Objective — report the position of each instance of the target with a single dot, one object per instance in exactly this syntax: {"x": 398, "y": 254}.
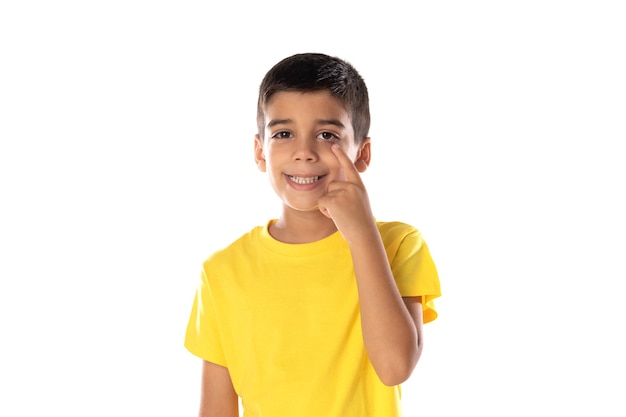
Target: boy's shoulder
{"x": 397, "y": 234}
{"x": 396, "y": 228}
{"x": 239, "y": 243}
{"x": 393, "y": 233}
{"x": 390, "y": 229}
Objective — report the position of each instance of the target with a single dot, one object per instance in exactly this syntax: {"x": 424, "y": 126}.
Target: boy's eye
{"x": 328, "y": 136}
{"x": 281, "y": 135}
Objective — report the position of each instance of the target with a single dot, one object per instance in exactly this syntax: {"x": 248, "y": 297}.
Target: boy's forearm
{"x": 389, "y": 333}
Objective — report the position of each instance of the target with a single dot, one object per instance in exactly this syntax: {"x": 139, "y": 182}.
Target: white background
{"x": 126, "y": 134}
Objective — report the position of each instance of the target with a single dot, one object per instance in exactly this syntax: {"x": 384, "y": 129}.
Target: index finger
{"x": 352, "y": 174}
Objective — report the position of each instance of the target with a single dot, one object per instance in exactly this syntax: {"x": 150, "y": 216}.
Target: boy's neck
{"x": 302, "y": 227}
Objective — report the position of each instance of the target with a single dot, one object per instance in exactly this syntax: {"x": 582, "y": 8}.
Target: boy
{"x": 319, "y": 312}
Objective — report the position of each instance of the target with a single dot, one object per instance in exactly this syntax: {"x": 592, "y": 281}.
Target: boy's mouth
{"x": 304, "y": 180}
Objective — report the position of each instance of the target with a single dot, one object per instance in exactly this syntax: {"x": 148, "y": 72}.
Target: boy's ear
{"x": 259, "y": 156}
{"x": 364, "y": 156}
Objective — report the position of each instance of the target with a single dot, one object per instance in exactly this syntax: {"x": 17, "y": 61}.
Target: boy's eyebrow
{"x": 333, "y": 122}
{"x": 275, "y": 122}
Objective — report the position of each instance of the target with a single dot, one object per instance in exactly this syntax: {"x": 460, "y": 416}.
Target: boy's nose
{"x": 305, "y": 151}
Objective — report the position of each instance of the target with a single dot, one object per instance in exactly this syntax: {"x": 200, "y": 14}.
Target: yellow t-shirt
{"x": 284, "y": 319}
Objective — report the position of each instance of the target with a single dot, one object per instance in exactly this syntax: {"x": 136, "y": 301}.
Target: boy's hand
{"x": 346, "y": 202}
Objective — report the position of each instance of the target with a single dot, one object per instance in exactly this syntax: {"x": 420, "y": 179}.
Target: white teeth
{"x": 304, "y": 180}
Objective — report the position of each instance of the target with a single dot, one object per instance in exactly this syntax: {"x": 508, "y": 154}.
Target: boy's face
{"x": 300, "y": 129}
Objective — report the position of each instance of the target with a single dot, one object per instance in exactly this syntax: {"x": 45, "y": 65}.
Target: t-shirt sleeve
{"x": 414, "y": 270}
{"x": 203, "y": 337}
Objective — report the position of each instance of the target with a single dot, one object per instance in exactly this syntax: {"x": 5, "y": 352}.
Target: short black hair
{"x": 309, "y": 72}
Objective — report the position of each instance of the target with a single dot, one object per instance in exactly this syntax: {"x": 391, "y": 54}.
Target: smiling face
{"x": 299, "y": 130}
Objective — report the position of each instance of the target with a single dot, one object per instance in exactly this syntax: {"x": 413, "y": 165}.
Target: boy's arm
{"x": 392, "y": 326}
{"x": 218, "y": 397}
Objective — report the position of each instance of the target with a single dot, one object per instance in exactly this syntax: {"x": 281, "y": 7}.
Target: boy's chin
{"x": 305, "y": 209}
